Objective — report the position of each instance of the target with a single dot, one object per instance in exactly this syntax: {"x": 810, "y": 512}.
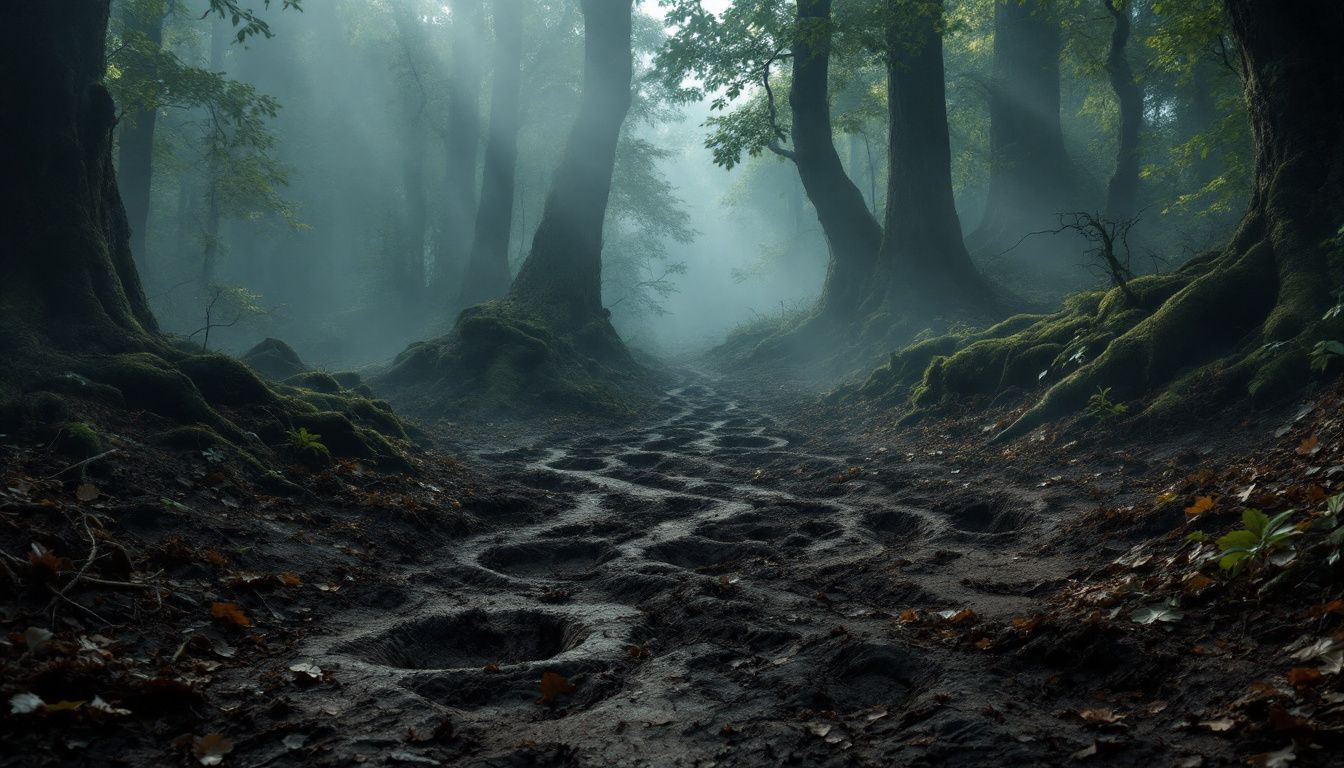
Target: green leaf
{"x": 1255, "y": 521}
{"x": 1241, "y": 539}
{"x": 1232, "y": 559}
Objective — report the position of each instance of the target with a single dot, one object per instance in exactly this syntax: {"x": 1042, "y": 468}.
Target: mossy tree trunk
{"x": 851, "y": 230}
{"x": 561, "y": 279}
{"x": 1259, "y": 305}
{"x": 1123, "y": 190}
{"x": 462, "y": 139}
{"x": 67, "y": 277}
{"x": 923, "y": 258}
{"x": 488, "y": 266}
{"x": 1031, "y": 176}
{"x": 135, "y": 160}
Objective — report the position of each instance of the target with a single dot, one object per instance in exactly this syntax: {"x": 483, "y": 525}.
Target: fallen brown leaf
{"x": 553, "y": 685}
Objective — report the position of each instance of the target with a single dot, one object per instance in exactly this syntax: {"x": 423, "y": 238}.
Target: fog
{"x": 325, "y": 190}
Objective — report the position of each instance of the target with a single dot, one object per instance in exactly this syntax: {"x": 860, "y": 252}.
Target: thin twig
{"x": 84, "y": 463}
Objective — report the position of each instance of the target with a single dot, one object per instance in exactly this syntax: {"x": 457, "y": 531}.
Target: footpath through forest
{"x": 731, "y": 582}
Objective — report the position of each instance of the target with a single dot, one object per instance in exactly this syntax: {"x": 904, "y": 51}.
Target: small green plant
{"x": 1102, "y": 408}
{"x": 1261, "y": 537}
{"x": 304, "y": 440}
{"x": 1324, "y": 352}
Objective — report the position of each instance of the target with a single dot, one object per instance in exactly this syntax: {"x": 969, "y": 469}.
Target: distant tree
{"x": 561, "y": 280}
{"x": 1123, "y": 190}
{"x": 461, "y": 139}
{"x": 487, "y": 274}
{"x": 1031, "y": 175}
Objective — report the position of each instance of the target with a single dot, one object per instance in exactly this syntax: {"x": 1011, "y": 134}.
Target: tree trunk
{"x": 1031, "y": 177}
{"x": 1123, "y": 190}
{"x": 561, "y": 280}
{"x": 220, "y": 37}
{"x": 851, "y": 229}
{"x": 462, "y": 141}
{"x": 488, "y": 268}
{"x": 67, "y": 277}
{"x": 135, "y": 161}
{"x": 923, "y": 253}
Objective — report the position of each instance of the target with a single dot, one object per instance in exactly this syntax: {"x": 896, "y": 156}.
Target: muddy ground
{"x": 737, "y": 579}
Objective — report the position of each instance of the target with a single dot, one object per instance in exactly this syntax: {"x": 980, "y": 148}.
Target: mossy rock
{"x": 274, "y": 359}
{"x": 78, "y": 441}
{"x": 316, "y": 381}
{"x": 223, "y": 380}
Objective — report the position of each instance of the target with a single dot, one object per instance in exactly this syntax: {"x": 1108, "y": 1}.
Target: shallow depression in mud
{"x": 471, "y": 640}
{"x": 556, "y": 557}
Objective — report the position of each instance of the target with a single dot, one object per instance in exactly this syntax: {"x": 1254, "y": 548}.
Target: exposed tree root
{"x": 1241, "y": 320}
{"x": 218, "y": 402}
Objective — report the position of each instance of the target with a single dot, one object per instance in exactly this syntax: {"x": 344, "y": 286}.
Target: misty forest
{"x": 672, "y": 383}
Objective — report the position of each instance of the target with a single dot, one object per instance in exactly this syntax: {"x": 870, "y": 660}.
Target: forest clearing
{"x": 676, "y": 383}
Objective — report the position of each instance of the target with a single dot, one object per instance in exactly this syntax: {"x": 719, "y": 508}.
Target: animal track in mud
{"x": 557, "y": 558}
{"x": 700, "y": 553}
{"x": 579, "y": 463}
{"x": 751, "y": 526}
{"x": 984, "y": 515}
{"x": 746, "y": 441}
{"x": 471, "y": 640}
{"x": 643, "y": 459}
{"x": 895, "y": 524}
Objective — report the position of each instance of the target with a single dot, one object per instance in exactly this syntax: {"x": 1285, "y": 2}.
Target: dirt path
{"x": 718, "y": 590}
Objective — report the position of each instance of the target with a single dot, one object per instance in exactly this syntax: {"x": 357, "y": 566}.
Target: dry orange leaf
{"x": 216, "y": 558}
{"x": 1309, "y": 446}
{"x": 1197, "y": 582}
{"x": 909, "y": 616}
{"x": 1300, "y": 677}
{"x": 552, "y": 685}
{"x": 1202, "y": 504}
{"x": 230, "y": 613}
{"x": 965, "y": 614}
{"x": 290, "y": 579}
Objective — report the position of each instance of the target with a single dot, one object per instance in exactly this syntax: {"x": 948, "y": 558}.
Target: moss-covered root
{"x": 502, "y": 359}
{"x": 1240, "y": 321}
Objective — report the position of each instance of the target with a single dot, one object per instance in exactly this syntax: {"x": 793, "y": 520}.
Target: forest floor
{"x": 741, "y": 578}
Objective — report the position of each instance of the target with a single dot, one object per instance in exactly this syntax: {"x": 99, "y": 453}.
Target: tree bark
{"x": 851, "y": 230}
{"x": 220, "y": 38}
{"x": 135, "y": 161}
{"x": 1031, "y": 177}
{"x": 561, "y": 279}
{"x": 488, "y": 267}
{"x": 67, "y": 277}
{"x": 462, "y": 140}
{"x": 922, "y": 252}
{"x": 1123, "y": 190}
